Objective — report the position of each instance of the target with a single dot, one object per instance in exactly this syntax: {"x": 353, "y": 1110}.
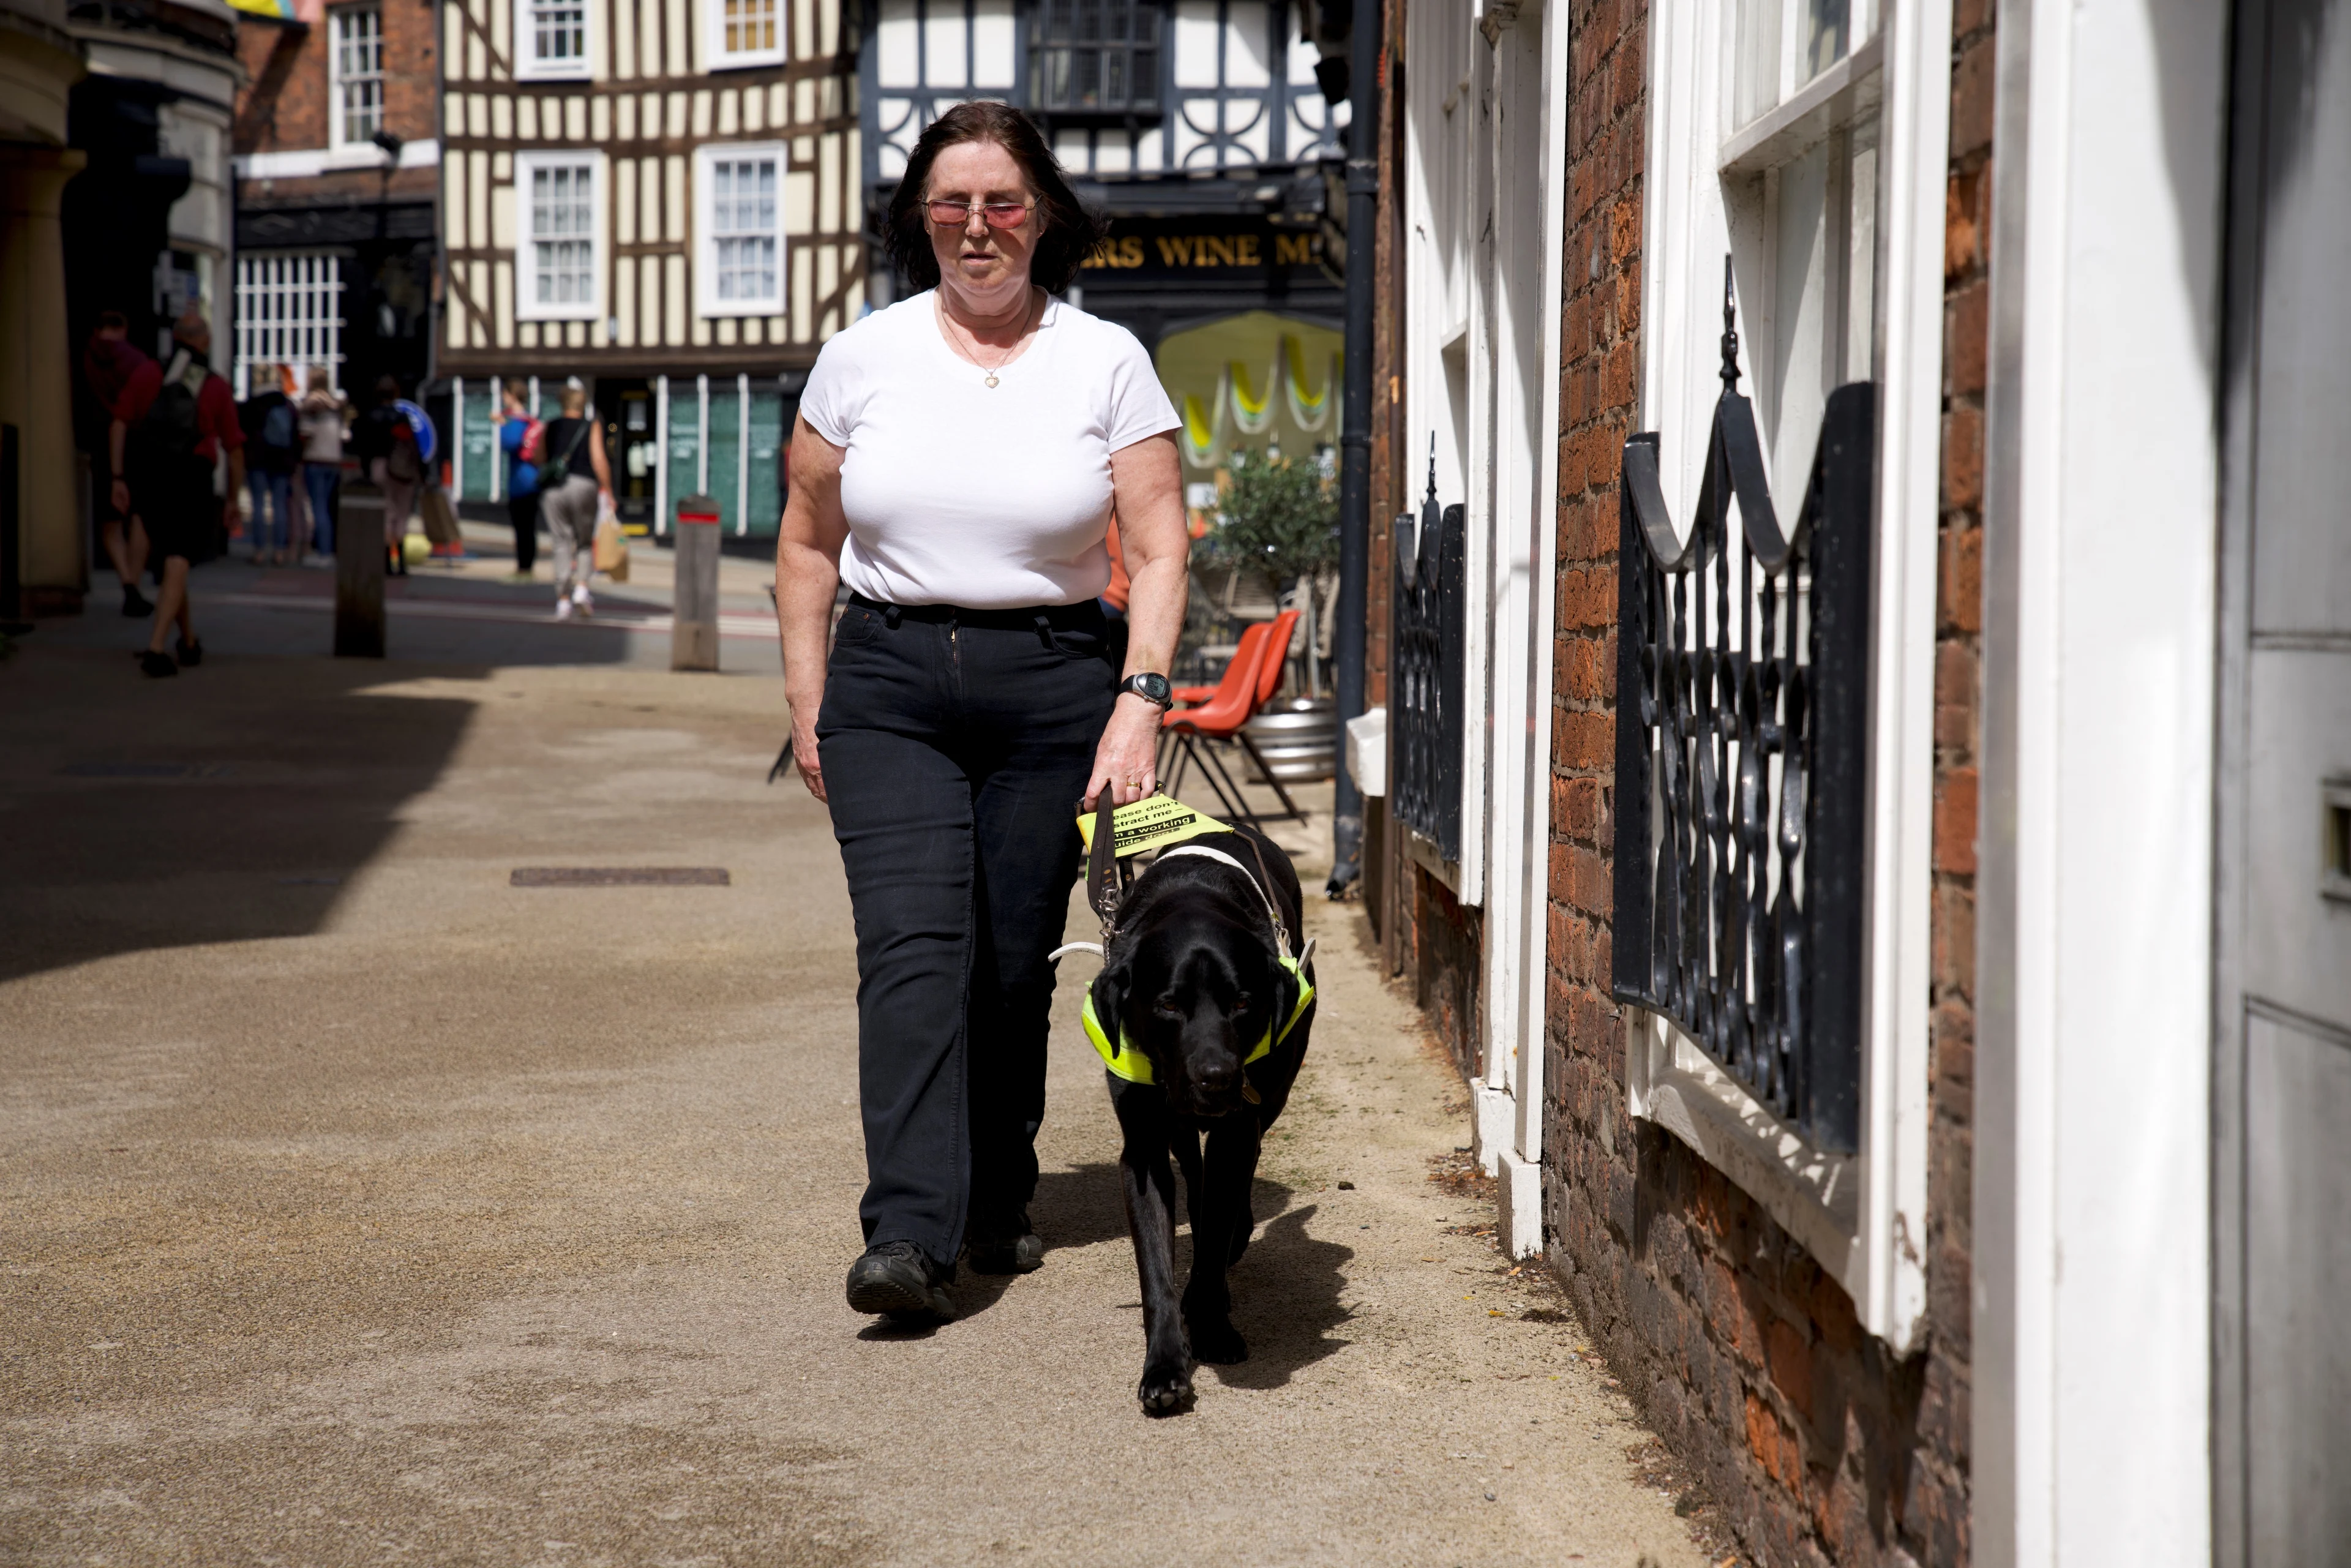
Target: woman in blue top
{"x": 522, "y": 479}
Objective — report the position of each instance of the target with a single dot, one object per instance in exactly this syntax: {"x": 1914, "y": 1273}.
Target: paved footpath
{"x": 357, "y": 1207}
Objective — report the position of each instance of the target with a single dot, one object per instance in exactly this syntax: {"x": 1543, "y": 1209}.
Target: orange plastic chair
{"x": 1234, "y": 668}
{"x": 1250, "y": 682}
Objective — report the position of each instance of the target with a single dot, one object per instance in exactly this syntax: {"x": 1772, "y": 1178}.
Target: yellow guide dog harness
{"x": 1126, "y": 1060}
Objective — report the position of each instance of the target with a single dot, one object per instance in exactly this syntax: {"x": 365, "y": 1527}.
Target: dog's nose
{"x": 1220, "y": 1079}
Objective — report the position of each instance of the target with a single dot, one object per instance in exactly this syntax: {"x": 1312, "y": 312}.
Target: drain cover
{"x": 143, "y": 770}
{"x": 619, "y": 876}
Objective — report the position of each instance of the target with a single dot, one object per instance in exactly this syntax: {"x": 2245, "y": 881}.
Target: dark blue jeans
{"x": 955, "y": 745}
{"x": 318, "y": 481}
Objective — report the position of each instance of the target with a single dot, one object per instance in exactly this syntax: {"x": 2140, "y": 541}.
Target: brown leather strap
{"x": 1103, "y": 890}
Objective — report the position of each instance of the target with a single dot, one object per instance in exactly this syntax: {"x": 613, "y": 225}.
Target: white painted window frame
{"x": 266, "y": 333}
{"x": 528, "y": 66}
{"x": 1439, "y": 303}
{"x": 1862, "y": 1215}
{"x": 1473, "y": 302}
{"x": 336, "y": 140}
{"x": 528, "y": 308}
{"x": 713, "y": 38}
{"x": 707, "y": 304}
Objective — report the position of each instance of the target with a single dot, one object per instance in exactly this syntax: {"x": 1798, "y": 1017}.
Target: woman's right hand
{"x": 804, "y": 753}
{"x": 808, "y": 574}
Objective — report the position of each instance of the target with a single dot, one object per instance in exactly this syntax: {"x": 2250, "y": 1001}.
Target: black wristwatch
{"x": 1150, "y": 688}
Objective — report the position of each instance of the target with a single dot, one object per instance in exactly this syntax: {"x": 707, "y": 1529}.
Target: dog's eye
{"x": 1241, "y": 1003}
{"x": 1165, "y": 1007}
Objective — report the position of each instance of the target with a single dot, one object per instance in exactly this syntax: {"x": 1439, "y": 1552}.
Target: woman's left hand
{"x": 1127, "y": 760}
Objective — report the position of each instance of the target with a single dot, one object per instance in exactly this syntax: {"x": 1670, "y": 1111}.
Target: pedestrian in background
{"x": 272, "y": 451}
{"x": 322, "y": 455}
{"x": 573, "y": 483}
{"x": 107, "y": 367}
{"x": 523, "y": 439}
{"x": 170, "y": 428}
{"x": 386, "y": 448}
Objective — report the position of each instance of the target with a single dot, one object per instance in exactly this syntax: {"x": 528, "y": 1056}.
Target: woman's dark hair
{"x": 1067, "y": 234}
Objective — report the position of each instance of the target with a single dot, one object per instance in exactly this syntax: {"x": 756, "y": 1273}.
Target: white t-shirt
{"x": 960, "y": 493}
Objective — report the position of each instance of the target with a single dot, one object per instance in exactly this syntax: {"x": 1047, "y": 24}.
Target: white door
{"x": 2283, "y": 1079}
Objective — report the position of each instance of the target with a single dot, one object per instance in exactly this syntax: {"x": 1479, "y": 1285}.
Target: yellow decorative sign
{"x": 1151, "y": 823}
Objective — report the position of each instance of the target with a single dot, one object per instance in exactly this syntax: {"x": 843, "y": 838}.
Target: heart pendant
{"x": 991, "y": 377}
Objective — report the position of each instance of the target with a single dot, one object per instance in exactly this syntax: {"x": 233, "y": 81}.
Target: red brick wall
{"x": 1818, "y": 1443}
{"x": 283, "y": 105}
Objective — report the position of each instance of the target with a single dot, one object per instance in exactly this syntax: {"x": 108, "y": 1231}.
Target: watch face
{"x": 1154, "y": 688}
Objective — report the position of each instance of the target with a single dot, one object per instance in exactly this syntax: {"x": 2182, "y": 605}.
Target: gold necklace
{"x": 973, "y": 358}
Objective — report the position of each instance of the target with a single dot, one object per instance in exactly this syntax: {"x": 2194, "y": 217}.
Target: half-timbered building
{"x": 660, "y": 197}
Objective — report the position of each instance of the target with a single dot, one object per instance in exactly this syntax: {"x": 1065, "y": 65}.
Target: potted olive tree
{"x": 1278, "y": 520}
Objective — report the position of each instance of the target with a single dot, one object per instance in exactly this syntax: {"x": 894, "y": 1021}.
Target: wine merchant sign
{"x": 1134, "y": 252}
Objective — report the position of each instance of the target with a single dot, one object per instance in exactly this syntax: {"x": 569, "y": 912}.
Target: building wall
{"x": 40, "y": 64}
{"x": 298, "y": 195}
{"x": 1818, "y": 1441}
{"x": 284, "y": 105}
{"x": 648, "y": 105}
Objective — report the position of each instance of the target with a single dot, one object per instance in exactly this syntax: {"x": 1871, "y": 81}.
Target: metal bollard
{"x": 358, "y": 572}
{"x": 693, "y": 614}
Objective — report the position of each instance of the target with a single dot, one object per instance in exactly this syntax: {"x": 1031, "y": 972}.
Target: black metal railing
{"x": 1742, "y": 762}
{"x": 1426, "y": 691}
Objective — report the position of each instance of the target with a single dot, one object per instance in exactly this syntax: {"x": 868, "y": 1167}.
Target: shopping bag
{"x": 441, "y": 522}
{"x": 611, "y": 544}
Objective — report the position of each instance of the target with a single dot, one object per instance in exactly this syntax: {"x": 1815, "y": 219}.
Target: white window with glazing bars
{"x": 745, "y": 32}
{"x": 289, "y": 311}
{"x": 559, "y": 261}
{"x": 553, "y": 38}
{"x": 356, "y": 102}
{"x": 739, "y": 212}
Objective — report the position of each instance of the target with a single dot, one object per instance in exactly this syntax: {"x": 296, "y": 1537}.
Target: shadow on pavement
{"x": 1286, "y": 1300}
{"x": 229, "y": 804}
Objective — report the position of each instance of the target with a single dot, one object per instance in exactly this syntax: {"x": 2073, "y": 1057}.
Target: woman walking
{"x": 322, "y": 456}
{"x": 522, "y": 478}
{"x": 956, "y": 461}
{"x": 572, "y": 485}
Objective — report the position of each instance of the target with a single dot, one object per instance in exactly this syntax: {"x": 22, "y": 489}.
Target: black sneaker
{"x": 152, "y": 662}
{"x": 1015, "y": 1250}
{"x": 191, "y": 653}
{"x": 136, "y": 606}
{"x": 896, "y": 1280}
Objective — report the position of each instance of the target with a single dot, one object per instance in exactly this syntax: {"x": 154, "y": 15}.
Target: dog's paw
{"x": 1165, "y": 1389}
{"x": 1216, "y": 1342}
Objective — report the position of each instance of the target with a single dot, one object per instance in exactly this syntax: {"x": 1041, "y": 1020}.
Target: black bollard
{"x": 358, "y": 572}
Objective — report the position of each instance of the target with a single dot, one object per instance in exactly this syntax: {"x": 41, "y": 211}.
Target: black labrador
{"x": 1194, "y": 985}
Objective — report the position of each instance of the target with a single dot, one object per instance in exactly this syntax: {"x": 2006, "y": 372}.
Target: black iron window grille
{"x": 1095, "y": 57}
{"x": 1425, "y": 693}
{"x": 1742, "y": 762}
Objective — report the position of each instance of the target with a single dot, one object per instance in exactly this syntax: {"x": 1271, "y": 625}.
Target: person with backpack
{"x": 388, "y": 455}
{"x": 170, "y": 427}
{"x": 524, "y": 441}
{"x": 574, "y": 482}
{"x": 272, "y": 449}
{"x": 107, "y": 366}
